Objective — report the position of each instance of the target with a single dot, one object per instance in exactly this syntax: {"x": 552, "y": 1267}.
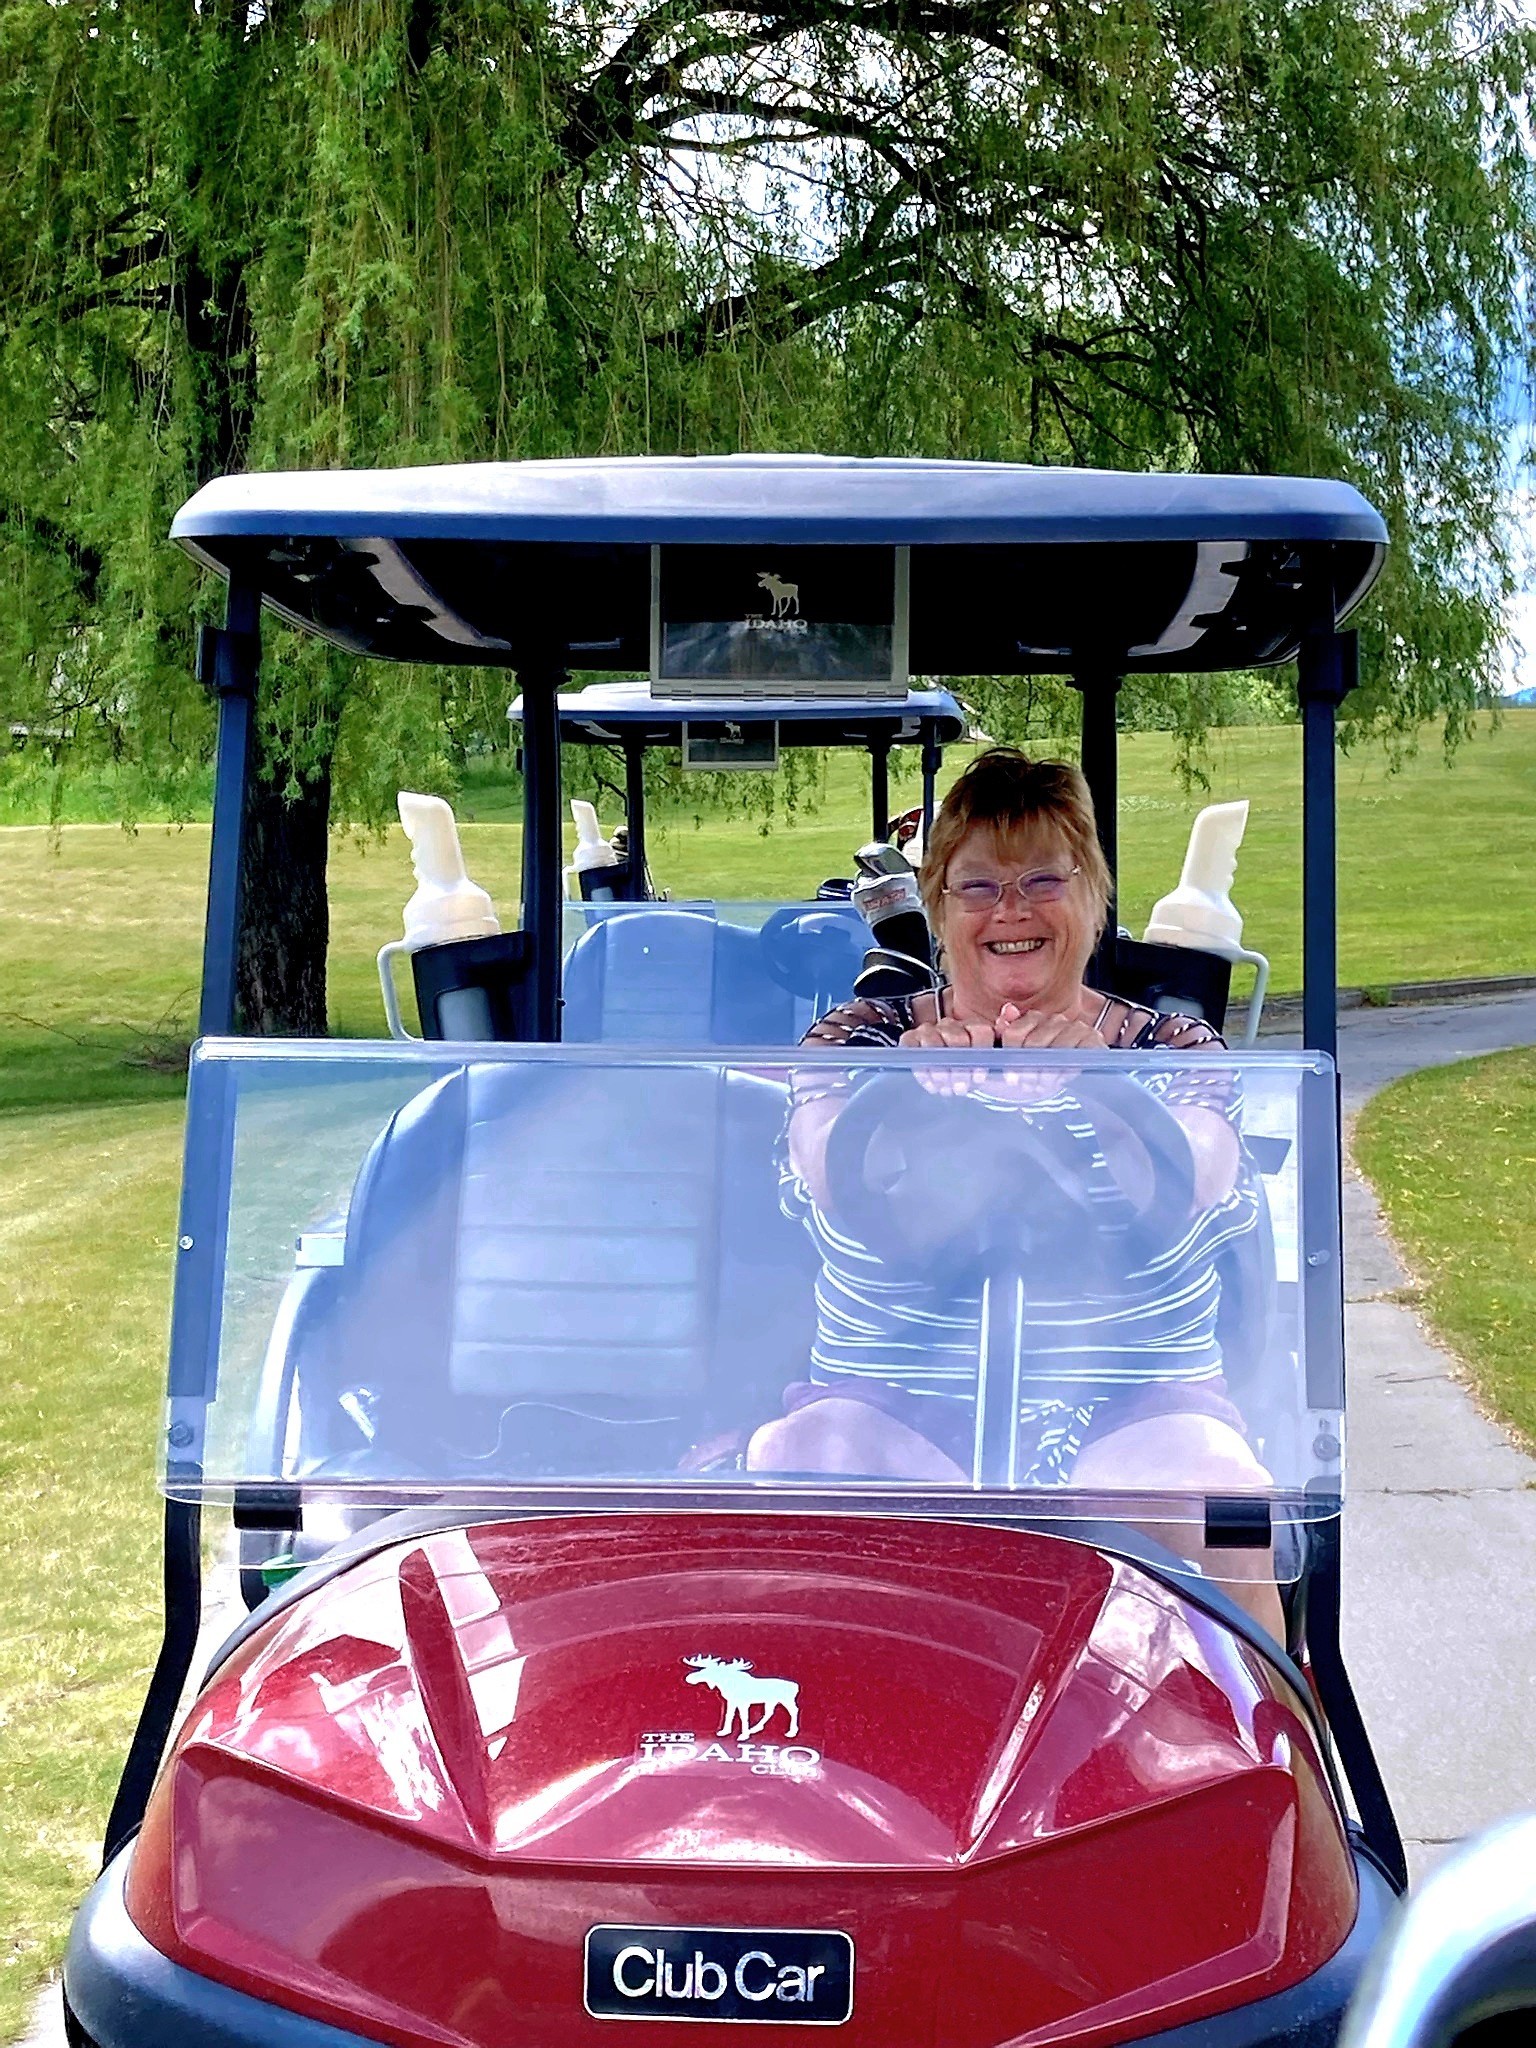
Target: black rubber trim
{"x": 123, "y": 1993}
{"x": 126, "y": 1994}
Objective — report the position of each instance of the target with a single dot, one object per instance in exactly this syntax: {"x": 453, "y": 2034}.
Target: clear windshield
{"x": 568, "y": 1277}
{"x": 694, "y": 974}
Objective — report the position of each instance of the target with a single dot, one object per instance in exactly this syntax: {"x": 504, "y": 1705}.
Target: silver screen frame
{"x": 705, "y": 687}
{"x": 757, "y": 767}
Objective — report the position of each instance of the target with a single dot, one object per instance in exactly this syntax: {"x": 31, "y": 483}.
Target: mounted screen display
{"x": 729, "y": 744}
{"x": 791, "y": 621}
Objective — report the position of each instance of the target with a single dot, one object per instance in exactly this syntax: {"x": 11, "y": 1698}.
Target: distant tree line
{"x": 1248, "y": 235}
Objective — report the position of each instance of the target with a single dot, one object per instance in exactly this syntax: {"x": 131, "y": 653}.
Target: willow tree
{"x": 1235, "y": 234}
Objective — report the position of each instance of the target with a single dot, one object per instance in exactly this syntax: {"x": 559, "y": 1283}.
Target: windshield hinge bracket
{"x": 1236, "y": 1523}
{"x": 276, "y": 1508}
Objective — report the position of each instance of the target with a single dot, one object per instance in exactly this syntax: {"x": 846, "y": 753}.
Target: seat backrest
{"x": 1171, "y": 978}
{"x": 646, "y": 977}
{"x": 564, "y": 1244}
{"x": 579, "y": 1276}
{"x": 678, "y": 974}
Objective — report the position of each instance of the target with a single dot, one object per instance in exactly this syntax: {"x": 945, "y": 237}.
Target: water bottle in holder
{"x": 466, "y": 969}
{"x": 1200, "y": 914}
{"x": 598, "y": 873}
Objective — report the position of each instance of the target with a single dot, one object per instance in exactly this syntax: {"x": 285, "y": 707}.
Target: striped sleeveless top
{"x": 908, "y": 1347}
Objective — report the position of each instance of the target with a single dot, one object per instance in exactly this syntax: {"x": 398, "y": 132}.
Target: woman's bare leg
{"x": 838, "y": 1435}
{"x": 1173, "y": 1453}
{"x": 1189, "y": 1454}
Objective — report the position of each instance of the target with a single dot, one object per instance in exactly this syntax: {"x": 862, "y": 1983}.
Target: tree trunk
{"x": 285, "y": 918}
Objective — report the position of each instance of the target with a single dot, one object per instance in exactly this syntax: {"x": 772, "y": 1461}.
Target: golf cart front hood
{"x": 504, "y": 1735}
{"x": 767, "y": 1690}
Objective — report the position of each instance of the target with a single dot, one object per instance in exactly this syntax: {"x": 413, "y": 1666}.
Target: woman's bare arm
{"x": 1213, "y": 1142}
{"x": 809, "y": 1129}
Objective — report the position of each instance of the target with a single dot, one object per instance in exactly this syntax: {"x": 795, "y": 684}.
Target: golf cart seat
{"x": 504, "y": 1302}
{"x": 1182, "y": 979}
{"x": 502, "y": 1294}
{"x": 681, "y": 974}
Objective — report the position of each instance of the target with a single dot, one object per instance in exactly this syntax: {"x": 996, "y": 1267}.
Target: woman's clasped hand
{"x": 1013, "y": 1028}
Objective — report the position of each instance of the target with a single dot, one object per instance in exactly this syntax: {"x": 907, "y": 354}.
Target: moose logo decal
{"x": 742, "y": 1693}
{"x": 751, "y": 1704}
{"x": 786, "y": 596}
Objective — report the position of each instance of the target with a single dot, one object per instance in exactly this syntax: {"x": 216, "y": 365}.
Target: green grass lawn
{"x": 87, "y": 1211}
{"x": 1452, "y": 1154}
{"x": 101, "y": 931}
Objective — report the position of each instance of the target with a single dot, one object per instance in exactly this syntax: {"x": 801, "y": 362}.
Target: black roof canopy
{"x": 1012, "y": 570}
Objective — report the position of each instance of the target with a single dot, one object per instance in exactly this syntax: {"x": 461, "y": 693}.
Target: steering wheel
{"x": 940, "y": 1186}
{"x": 812, "y": 952}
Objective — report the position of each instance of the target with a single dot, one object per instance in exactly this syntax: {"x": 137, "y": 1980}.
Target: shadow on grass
{"x": 49, "y": 1067}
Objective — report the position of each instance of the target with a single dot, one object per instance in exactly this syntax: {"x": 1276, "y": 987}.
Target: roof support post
{"x": 634, "y": 811}
{"x": 541, "y": 685}
{"x": 1327, "y": 669}
{"x": 182, "y": 1584}
{"x": 933, "y": 756}
{"x": 1351, "y": 1739}
{"x": 1099, "y": 682}
{"x": 228, "y": 660}
{"x": 879, "y": 786}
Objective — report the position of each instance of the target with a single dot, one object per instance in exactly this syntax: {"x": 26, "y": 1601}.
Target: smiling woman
{"x": 1017, "y": 887}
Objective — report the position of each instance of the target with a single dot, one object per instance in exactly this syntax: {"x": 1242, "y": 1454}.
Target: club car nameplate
{"x": 778, "y": 621}
{"x": 787, "y": 1976}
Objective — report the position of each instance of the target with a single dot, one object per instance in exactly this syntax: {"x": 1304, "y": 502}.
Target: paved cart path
{"x": 1440, "y": 1527}
{"x": 1377, "y": 1046}
{"x": 1440, "y": 1530}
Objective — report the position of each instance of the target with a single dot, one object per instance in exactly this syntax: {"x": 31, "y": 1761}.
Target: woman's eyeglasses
{"x": 1045, "y": 886}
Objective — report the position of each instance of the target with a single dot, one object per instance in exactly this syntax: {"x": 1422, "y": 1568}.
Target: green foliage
{"x": 1234, "y": 234}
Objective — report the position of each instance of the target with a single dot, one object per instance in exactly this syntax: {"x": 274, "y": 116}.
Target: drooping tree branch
{"x": 260, "y": 231}
{"x": 609, "y": 109}
{"x": 86, "y": 563}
